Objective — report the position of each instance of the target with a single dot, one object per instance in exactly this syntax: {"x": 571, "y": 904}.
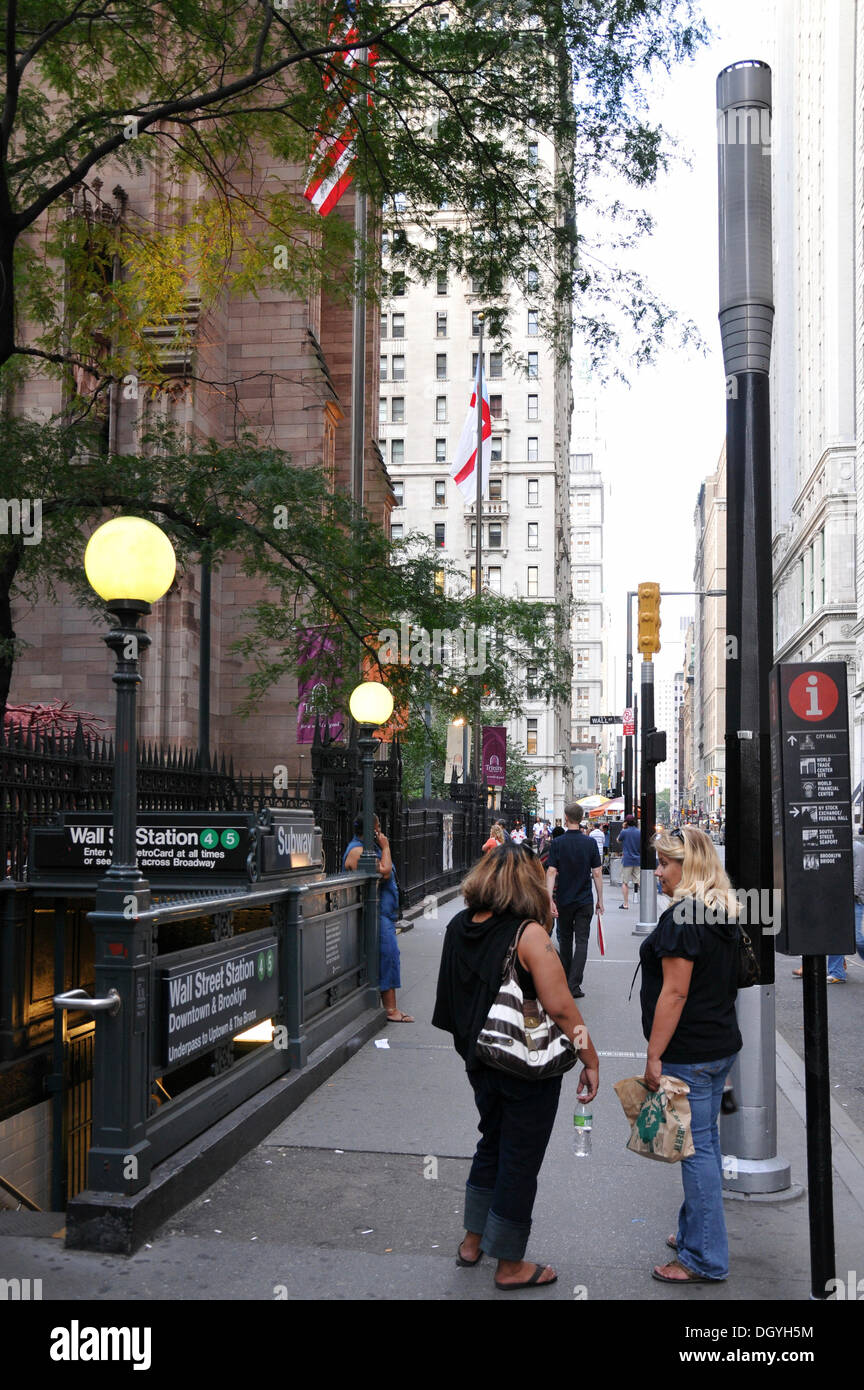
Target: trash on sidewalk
{"x": 381, "y": 1042}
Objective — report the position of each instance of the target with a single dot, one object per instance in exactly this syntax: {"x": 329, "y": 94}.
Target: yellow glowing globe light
{"x": 371, "y": 703}
{"x": 130, "y": 558}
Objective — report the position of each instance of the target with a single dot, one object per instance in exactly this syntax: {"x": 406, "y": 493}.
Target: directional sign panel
{"x": 811, "y": 808}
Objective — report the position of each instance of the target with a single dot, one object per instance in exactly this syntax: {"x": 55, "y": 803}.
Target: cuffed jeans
{"x": 859, "y": 930}
{"x": 702, "y": 1243}
{"x": 574, "y": 929}
{"x": 516, "y": 1119}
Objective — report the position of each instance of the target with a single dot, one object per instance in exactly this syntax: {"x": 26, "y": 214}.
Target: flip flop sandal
{"x": 672, "y": 1243}
{"x": 402, "y": 1018}
{"x": 532, "y": 1283}
{"x": 692, "y": 1277}
{"x": 461, "y": 1260}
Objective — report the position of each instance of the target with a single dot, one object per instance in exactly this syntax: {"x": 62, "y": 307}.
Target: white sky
{"x": 663, "y": 435}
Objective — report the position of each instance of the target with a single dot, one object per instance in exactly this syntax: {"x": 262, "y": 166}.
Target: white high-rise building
{"x": 429, "y": 336}
{"x": 668, "y": 698}
{"x": 590, "y": 742}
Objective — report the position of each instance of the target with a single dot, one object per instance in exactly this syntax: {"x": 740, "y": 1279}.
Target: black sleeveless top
{"x": 469, "y": 977}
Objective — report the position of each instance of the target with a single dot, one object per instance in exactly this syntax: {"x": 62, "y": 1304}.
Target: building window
{"x": 496, "y": 364}
{"x": 383, "y": 368}
{"x": 440, "y": 486}
{"x": 440, "y": 454}
{"x": 475, "y": 323}
{"x": 533, "y": 364}
{"x": 397, "y": 283}
{"x": 439, "y": 535}
{"x": 531, "y": 737}
{"x": 396, "y": 529}
{"x": 441, "y": 283}
{"x": 473, "y": 534}
{"x": 531, "y": 688}
{"x": 532, "y": 280}
{"x": 497, "y": 452}
{"x": 399, "y": 493}
{"x": 440, "y": 325}
{"x": 811, "y": 557}
{"x": 441, "y": 366}
{"x": 397, "y": 450}
{"x": 821, "y": 539}
{"x": 533, "y": 152}
{"x": 533, "y": 447}
{"x": 398, "y": 365}
{"x": 440, "y": 407}
{"x": 496, "y": 409}
{"x": 383, "y": 325}
{"x": 533, "y": 535}
{"x": 397, "y": 323}
{"x": 494, "y": 579}
{"x": 533, "y": 581}
{"x": 533, "y": 328}
{"x": 382, "y": 410}
{"x": 439, "y": 581}
{"x": 474, "y": 357}
{"x": 494, "y": 489}
{"x": 494, "y": 535}
{"x": 533, "y": 492}
{"x": 476, "y": 284}
{"x": 397, "y": 410}
{"x": 533, "y": 407}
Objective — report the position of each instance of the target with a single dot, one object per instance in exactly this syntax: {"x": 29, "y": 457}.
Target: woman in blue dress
{"x": 389, "y": 977}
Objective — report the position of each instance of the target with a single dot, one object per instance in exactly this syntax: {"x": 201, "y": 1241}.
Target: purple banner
{"x": 308, "y": 694}
{"x": 494, "y": 759}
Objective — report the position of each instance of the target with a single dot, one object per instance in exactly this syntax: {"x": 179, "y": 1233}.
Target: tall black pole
{"x": 749, "y": 1136}
{"x": 817, "y": 1093}
{"x": 647, "y": 811}
{"x": 628, "y": 703}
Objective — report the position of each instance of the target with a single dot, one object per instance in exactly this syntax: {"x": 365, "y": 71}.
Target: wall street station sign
{"x": 201, "y": 846}
{"x": 209, "y": 997}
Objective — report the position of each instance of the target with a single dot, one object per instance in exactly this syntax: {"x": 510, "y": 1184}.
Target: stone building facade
{"x": 278, "y": 366}
{"x": 708, "y": 718}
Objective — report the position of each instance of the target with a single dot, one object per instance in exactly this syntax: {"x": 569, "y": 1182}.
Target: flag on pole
{"x": 331, "y": 167}
{"x": 463, "y": 470}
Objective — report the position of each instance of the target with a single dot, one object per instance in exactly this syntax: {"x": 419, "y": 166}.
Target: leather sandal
{"x": 691, "y": 1276}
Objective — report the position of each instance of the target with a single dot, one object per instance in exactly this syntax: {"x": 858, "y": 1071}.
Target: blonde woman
{"x": 689, "y": 984}
{"x": 496, "y": 837}
{"x": 505, "y": 888}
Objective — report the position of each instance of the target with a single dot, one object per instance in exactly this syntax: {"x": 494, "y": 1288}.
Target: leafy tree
{"x": 218, "y": 96}
{"x": 322, "y": 569}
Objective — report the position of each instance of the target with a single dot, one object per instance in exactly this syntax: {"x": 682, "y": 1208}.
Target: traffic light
{"x": 648, "y": 640}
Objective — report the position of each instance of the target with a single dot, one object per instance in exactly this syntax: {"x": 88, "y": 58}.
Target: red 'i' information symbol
{"x": 813, "y": 696}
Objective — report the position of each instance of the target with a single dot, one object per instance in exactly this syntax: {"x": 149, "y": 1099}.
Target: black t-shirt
{"x": 574, "y": 855}
{"x": 708, "y": 1027}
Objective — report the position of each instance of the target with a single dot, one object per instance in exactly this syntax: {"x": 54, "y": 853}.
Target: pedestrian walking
{"x": 858, "y": 873}
{"x": 630, "y": 841}
{"x": 389, "y": 972}
{"x": 599, "y": 839}
{"x": 497, "y": 836}
{"x": 689, "y": 984}
{"x": 503, "y": 891}
{"x": 574, "y": 860}
{"x": 517, "y": 834}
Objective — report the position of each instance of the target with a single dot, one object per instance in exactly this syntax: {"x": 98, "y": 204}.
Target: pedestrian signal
{"x": 649, "y": 619}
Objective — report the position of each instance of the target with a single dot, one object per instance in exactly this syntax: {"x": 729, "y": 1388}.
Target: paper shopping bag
{"x": 660, "y": 1119}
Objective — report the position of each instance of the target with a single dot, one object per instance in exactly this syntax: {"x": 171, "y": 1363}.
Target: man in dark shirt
{"x": 574, "y": 860}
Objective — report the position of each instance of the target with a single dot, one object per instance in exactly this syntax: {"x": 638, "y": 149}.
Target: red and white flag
{"x": 463, "y": 469}
{"x": 331, "y": 168}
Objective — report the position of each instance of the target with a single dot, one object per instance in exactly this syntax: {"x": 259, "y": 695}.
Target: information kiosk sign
{"x": 811, "y": 808}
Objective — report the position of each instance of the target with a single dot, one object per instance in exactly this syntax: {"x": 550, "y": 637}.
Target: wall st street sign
{"x": 605, "y": 719}
{"x": 207, "y": 997}
{"x": 811, "y": 808}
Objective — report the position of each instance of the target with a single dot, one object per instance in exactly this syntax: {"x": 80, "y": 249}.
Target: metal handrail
{"x": 254, "y": 897}
{"x": 79, "y": 999}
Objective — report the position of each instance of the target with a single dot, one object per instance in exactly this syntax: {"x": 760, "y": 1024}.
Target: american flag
{"x": 331, "y": 167}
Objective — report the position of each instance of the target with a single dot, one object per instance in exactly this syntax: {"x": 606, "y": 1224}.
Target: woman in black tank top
{"x": 506, "y": 888}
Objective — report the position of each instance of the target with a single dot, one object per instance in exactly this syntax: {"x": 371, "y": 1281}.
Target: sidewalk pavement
{"x": 358, "y": 1194}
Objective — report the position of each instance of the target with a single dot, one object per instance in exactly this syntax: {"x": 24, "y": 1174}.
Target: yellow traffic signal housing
{"x": 648, "y": 640}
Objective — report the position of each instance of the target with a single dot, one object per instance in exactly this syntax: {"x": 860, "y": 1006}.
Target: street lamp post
{"x": 371, "y": 705}
{"x": 130, "y": 563}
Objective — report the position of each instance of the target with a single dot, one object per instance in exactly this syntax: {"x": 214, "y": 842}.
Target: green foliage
{"x": 224, "y": 103}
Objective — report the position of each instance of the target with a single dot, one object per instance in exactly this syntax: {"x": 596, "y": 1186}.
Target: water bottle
{"x": 582, "y": 1132}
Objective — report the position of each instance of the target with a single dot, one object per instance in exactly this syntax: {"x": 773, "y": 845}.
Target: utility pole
{"x": 749, "y": 1136}
{"x": 653, "y": 751}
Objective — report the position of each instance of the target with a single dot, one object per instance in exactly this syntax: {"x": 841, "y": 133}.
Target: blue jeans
{"x": 516, "y": 1119}
{"x": 702, "y": 1244}
{"x": 859, "y": 929}
{"x": 837, "y": 967}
